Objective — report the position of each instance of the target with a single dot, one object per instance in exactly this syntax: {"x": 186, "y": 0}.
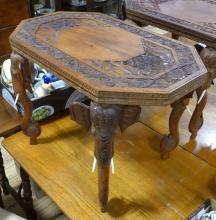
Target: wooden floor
{"x": 144, "y": 187}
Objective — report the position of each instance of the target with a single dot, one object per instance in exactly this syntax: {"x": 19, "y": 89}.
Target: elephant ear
{"x": 80, "y": 113}
{"x": 130, "y": 115}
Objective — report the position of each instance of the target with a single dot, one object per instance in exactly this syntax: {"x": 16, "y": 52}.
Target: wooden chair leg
{"x": 171, "y": 141}
{"x": 27, "y": 195}
{"x": 105, "y": 119}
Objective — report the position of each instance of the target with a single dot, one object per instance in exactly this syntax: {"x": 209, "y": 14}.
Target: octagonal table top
{"x": 195, "y": 19}
{"x": 108, "y": 60}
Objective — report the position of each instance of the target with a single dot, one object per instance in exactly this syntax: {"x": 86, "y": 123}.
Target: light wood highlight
{"x": 143, "y": 187}
{"x": 95, "y": 42}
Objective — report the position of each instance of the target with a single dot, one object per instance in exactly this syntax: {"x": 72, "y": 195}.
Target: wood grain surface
{"x": 193, "y": 19}
{"x": 13, "y": 11}
{"x": 98, "y": 43}
{"x": 143, "y": 187}
{"x": 108, "y": 60}
{"x": 4, "y": 42}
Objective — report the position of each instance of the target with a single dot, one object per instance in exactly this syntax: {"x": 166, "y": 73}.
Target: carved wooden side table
{"x": 193, "y": 19}
{"x": 117, "y": 66}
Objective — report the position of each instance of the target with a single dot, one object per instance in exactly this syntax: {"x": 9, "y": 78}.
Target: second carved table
{"x": 195, "y": 20}
{"x": 117, "y": 66}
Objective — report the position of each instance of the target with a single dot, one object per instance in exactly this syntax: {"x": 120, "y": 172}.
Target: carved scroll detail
{"x": 21, "y": 77}
{"x": 208, "y": 56}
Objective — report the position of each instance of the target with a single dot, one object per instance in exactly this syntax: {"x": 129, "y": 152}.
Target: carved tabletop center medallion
{"x": 94, "y": 41}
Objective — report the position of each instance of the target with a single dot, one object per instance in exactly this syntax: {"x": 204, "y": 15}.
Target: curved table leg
{"x": 105, "y": 119}
{"x": 27, "y": 195}
{"x": 196, "y": 120}
{"x": 208, "y": 56}
{"x": 170, "y": 142}
{"x": 21, "y": 77}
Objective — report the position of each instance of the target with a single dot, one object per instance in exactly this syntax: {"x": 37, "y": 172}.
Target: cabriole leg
{"x": 196, "y": 120}
{"x": 208, "y": 56}
{"x": 170, "y": 142}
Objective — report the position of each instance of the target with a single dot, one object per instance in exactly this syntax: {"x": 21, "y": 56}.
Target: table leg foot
{"x": 21, "y": 70}
{"x": 170, "y": 141}
{"x": 105, "y": 119}
{"x": 33, "y": 140}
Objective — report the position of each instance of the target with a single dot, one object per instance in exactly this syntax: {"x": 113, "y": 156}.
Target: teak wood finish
{"x": 193, "y": 19}
{"x": 116, "y": 65}
{"x": 143, "y": 186}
